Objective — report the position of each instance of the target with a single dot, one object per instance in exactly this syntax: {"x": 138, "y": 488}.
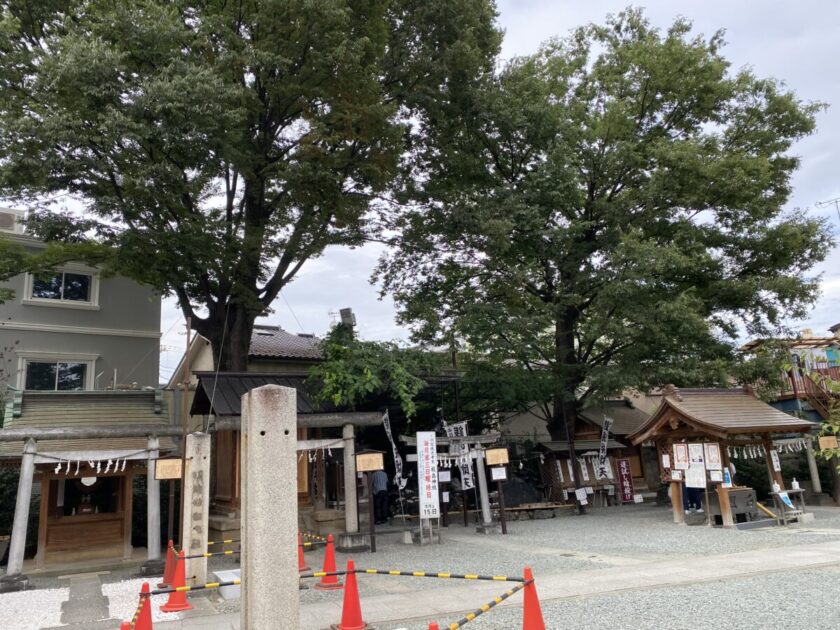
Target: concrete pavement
{"x": 447, "y": 603}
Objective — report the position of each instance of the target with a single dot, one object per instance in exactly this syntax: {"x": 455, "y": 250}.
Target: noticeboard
{"x": 496, "y": 456}
{"x": 168, "y": 469}
{"x": 828, "y": 441}
{"x": 369, "y": 462}
{"x": 498, "y": 473}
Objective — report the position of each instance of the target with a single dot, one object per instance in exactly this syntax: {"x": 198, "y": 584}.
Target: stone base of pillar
{"x": 353, "y": 542}
{"x": 820, "y": 499}
{"x": 12, "y": 583}
{"x": 492, "y": 528}
{"x": 152, "y": 567}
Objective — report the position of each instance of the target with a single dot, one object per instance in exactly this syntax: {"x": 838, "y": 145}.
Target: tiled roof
{"x": 724, "y": 412}
{"x": 85, "y": 409}
{"x": 227, "y": 388}
{"x": 626, "y": 418}
{"x": 580, "y": 445}
{"x": 274, "y": 342}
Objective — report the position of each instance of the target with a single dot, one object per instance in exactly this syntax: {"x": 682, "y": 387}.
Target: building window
{"x": 65, "y": 286}
{"x": 74, "y": 286}
{"x": 55, "y": 375}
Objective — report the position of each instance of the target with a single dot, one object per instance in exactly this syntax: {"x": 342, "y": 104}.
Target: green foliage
{"x": 610, "y": 210}
{"x": 221, "y": 145}
{"x": 355, "y": 371}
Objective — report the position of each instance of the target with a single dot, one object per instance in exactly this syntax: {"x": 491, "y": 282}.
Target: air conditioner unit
{"x": 11, "y": 220}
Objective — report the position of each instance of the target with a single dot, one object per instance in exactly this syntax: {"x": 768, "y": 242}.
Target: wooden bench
{"x": 532, "y": 508}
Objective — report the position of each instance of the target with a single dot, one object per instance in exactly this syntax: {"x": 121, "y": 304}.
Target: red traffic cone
{"x": 144, "y": 618}
{"x": 532, "y": 618}
{"x": 169, "y": 568}
{"x": 301, "y": 562}
{"x": 351, "y": 611}
{"x": 125, "y": 625}
{"x": 433, "y": 625}
{"x": 329, "y": 582}
{"x": 178, "y": 599}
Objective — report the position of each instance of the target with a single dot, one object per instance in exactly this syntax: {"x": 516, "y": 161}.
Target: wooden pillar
{"x": 43, "y": 520}
{"x": 128, "y": 487}
{"x": 725, "y": 507}
{"x": 677, "y": 501}
{"x": 774, "y": 475}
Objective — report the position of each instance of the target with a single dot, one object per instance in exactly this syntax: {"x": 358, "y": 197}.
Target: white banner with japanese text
{"x": 427, "y": 474}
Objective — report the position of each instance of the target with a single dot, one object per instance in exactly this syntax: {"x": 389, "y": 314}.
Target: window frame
{"x": 92, "y": 304}
{"x": 89, "y": 361}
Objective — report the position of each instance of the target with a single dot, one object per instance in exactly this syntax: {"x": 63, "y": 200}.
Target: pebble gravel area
{"x": 32, "y": 609}
{"x": 770, "y": 602}
{"x": 604, "y": 539}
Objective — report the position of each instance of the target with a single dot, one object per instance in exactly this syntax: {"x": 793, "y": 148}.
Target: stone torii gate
{"x": 478, "y": 443}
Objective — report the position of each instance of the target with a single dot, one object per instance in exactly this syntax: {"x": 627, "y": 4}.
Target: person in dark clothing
{"x": 380, "y": 497}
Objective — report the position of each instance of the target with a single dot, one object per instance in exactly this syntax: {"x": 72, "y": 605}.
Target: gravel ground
{"x": 604, "y": 538}
{"x": 31, "y": 609}
{"x": 123, "y": 600}
{"x": 768, "y": 602}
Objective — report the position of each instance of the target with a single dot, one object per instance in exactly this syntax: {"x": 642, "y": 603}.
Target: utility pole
{"x": 830, "y": 202}
{"x": 184, "y": 429}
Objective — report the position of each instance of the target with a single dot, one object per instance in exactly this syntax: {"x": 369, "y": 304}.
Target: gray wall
{"x": 124, "y": 331}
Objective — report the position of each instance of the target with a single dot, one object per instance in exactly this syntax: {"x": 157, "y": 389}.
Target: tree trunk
{"x": 564, "y": 413}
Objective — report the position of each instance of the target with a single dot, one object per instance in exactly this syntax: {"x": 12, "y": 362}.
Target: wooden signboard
{"x": 168, "y": 469}
{"x": 496, "y": 456}
{"x": 828, "y": 441}
{"x": 369, "y": 462}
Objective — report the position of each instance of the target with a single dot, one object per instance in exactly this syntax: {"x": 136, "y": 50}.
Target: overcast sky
{"x": 796, "y": 42}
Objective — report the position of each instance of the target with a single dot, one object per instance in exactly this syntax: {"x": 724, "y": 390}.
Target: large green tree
{"x": 609, "y": 211}
{"x": 221, "y": 143}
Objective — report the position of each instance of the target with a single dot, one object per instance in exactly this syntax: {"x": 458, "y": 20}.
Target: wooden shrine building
{"x": 729, "y": 418}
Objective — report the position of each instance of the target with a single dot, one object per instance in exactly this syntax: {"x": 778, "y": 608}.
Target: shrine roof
{"x": 717, "y": 412}
{"x": 625, "y": 416}
{"x": 85, "y": 409}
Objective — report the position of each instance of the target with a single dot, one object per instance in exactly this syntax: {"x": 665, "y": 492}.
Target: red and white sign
{"x": 625, "y": 480}
{"x": 427, "y": 474}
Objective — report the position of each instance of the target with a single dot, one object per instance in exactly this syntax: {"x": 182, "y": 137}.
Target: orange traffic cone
{"x": 178, "y": 599}
{"x": 169, "y": 568}
{"x": 351, "y": 611}
{"x": 329, "y": 582}
{"x": 532, "y": 618}
{"x": 301, "y": 562}
{"x": 144, "y": 618}
{"x": 125, "y": 625}
{"x": 433, "y": 625}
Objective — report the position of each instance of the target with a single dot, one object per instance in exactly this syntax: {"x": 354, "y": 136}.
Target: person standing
{"x": 380, "y": 497}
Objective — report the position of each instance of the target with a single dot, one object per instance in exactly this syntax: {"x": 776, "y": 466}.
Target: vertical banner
{"x": 427, "y": 474}
{"x": 602, "y": 469}
{"x": 399, "y": 478}
{"x": 461, "y": 450}
{"x": 625, "y": 480}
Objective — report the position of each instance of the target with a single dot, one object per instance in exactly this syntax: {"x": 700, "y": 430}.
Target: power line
{"x": 292, "y": 311}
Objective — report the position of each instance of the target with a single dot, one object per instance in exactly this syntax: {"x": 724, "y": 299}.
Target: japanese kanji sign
{"x": 427, "y": 474}
{"x": 625, "y": 480}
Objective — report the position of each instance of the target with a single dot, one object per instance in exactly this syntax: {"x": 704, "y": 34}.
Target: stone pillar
{"x": 14, "y": 580}
{"x": 812, "y": 467}
{"x": 677, "y": 502}
{"x": 196, "y": 505}
{"x": 152, "y": 502}
{"x": 269, "y": 509}
{"x": 487, "y": 526}
{"x": 351, "y": 513}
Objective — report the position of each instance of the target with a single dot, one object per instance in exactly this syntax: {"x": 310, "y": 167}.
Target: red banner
{"x": 625, "y": 479}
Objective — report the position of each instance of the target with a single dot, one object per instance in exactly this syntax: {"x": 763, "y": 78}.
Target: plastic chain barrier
{"x": 311, "y": 536}
{"x": 448, "y": 576}
{"x": 137, "y": 611}
{"x": 222, "y": 542}
{"x": 483, "y": 609}
{"x": 199, "y": 587}
{"x": 229, "y": 552}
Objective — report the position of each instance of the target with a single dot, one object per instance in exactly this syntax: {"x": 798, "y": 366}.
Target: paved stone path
{"x": 86, "y": 607}
{"x": 446, "y": 604}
